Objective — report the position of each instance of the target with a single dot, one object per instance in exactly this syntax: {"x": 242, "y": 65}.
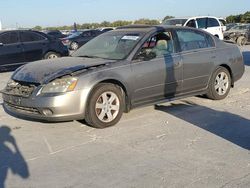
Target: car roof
{"x": 19, "y": 30}
{"x": 147, "y": 28}
{"x": 39, "y": 32}
{"x": 193, "y": 17}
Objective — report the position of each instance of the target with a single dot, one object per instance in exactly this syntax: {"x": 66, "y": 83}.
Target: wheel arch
{"x": 48, "y": 51}
{"x": 230, "y": 72}
{"x": 121, "y": 85}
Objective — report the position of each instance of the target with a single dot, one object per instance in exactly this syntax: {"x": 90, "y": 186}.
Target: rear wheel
{"x": 220, "y": 84}
{"x": 74, "y": 46}
{"x": 51, "y": 55}
{"x": 241, "y": 41}
{"x": 105, "y": 106}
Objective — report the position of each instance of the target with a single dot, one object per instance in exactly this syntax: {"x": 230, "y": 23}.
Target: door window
{"x": 31, "y": 37}
{"x": 202, "y": 23}
{"x": 158, "y": 45}
{"x": 190, "y": 40}
{"x": 9, "y": 38}
{"x": 86, "y": 34}
{"x": 191, "y": 23}
{"x": 212, "y": 22}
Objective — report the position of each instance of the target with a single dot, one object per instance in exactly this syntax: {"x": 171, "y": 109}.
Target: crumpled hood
{"x": 46, "y": 70}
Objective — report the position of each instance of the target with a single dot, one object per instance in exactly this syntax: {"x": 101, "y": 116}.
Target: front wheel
{"x": 105, "y": 106}
{"x": 241, "y": 41}
{"x": 220, "y": 84}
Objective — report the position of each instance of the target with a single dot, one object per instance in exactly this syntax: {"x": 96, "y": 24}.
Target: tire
{"x": 74, "y": 46}
{"x": 241, "y": 41}
{"x": 51, "y": 55}
{"x": 101, "y": 114}
{"x": 219, "y": 84}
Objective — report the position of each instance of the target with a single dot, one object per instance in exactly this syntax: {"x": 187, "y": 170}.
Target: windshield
{"x": 111, "y": 45}
{"x": 176, "y": 22}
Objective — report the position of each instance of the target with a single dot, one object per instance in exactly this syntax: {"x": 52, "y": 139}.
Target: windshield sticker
{"x": 127, "y": 37}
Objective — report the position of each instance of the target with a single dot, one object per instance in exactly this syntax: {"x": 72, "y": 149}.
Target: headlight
{"x": 60, "y": 85}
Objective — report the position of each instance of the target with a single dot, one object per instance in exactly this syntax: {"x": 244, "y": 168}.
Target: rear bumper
{"x": 238, "y": 67}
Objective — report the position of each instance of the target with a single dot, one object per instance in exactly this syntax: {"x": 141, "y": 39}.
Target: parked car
{"x": 18, "y": 47}
{"x": 208, "y": 23}
{"x": 120, "y": 70}
{"x": 55, "y": 33}
{"x": 239, "y": 34}
{"x": 77, "y": 39}
{"x": 223, "y": 23}
{"x": 230, "y": 25}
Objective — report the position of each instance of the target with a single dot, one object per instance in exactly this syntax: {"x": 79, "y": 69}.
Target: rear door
{"x": 34, "y": 45}
{"x": 11, "y": 53}
{"x": 198, "y": 54}
{"x": 157, "y": 70}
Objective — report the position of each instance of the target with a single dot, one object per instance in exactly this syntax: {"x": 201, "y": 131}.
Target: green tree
{"x": 105, "y": 24}
{"x": 240, "y": 18}
{"x": 246, "y": 17}
{"x": 167, "y": 17}
{"x": 147, "y": 22}
{"x": 38, "y": 28}
{"x": 120, "y": 23}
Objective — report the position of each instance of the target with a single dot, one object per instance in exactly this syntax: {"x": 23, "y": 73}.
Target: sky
{"x": 30, "y": 13}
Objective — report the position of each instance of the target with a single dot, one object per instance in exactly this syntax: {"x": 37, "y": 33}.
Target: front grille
{"x": 23, "y": 109}
{"x": 19, "y": 89}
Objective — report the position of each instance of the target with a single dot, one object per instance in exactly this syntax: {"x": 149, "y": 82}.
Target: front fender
{"x": 120, "y": 76}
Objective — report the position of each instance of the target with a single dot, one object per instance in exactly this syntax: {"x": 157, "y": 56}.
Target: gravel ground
{"x": 194, "y": 142}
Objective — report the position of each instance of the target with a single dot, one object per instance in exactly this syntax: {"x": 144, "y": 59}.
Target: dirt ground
{"x": 194, "y": 142}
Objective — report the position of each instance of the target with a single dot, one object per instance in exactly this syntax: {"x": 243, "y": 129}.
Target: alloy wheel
{"x": 107, "y": 106}
{"x": 221, "y": 83}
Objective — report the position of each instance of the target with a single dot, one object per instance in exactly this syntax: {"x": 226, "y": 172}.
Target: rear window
{"x": 9, "y": 38}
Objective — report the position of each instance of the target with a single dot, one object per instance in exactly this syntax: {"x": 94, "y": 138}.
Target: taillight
{"x": 65, "y": 41}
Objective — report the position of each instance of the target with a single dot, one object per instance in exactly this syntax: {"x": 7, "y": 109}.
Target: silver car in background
{"x": 123, "y": 69}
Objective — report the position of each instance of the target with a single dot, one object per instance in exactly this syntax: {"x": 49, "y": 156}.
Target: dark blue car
{"x": 79, "y": 38}
{"x": 18, "y": 47}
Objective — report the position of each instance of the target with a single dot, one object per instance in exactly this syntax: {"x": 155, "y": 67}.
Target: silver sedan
{"x": 123, "y": 69}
